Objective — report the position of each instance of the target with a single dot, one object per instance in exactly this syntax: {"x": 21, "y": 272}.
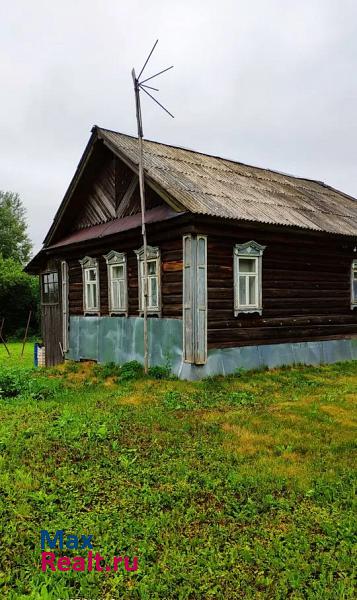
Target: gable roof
{"x": 210, "y": 185}
{"x": 194, "y": 182}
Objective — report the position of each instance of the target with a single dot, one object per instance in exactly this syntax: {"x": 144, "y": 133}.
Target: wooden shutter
{"x": 201, "y": 301}
{"x": 195, "y": 299}
{"x": 188, "y": 320}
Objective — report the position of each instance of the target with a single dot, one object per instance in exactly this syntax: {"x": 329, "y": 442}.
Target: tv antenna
{"x": 140, "y": 84}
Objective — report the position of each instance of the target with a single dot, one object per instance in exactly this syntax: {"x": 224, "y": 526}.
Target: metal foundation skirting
{"x": 120, "y": 339}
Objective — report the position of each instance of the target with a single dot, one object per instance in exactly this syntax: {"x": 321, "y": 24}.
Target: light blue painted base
{"x": 120, "y": 339}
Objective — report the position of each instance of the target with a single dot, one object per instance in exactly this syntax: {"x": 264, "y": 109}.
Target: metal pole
{"x": 1, "y": 337}
{"x": 143, "y": 227}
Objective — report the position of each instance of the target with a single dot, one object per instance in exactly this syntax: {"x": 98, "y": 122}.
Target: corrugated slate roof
{"x": 210, "y": 185}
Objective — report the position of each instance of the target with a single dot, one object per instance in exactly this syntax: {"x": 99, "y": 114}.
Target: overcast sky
{"x": 267, "y": 82}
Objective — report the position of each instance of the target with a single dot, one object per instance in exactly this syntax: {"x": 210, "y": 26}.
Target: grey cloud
{"x": 268, "y": 82}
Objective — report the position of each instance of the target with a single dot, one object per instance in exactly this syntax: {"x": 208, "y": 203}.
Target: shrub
{"x": 160, "y": 372}
{"x": 12, "y": 383}
{"x": 15, "y": 382}
{"x": 110, "y": 369}
{"x": 19, "y": 293}
{"x": 131, "y": 370}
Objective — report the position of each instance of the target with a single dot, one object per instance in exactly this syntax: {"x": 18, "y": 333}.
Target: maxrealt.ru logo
{"x": 90, "y": 562}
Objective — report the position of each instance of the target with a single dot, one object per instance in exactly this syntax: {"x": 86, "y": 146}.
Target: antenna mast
{"x": 140, "y": 85}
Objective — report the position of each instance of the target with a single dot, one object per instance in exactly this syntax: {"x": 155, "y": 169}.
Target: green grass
{"x": 15, "y": 359}
{"x": 226, "y": 488}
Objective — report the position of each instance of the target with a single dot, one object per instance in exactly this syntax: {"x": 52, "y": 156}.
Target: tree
{"x": 19, "y": 293}
{"x": 14, "y": 241}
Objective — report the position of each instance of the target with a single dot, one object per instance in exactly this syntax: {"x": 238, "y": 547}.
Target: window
{"x": 153, "y": 279}
{"x": 248, "y": 278}
{"x": 117, "y": 282}
{"x": 90, "y": 272}
{"x": 50, "y": 288}
{"x": 354, "y": 285}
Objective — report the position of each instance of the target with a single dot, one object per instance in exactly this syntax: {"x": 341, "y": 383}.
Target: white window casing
{"x": 117, "y": 282}
{"x": 65, "y": 307}
{"x": 195, "y": 299}
{"x": 247, "y": 259}
{"x": 153, "y": 279}
{"x": 354, "y": 284}
{"x": 91, "y": 294}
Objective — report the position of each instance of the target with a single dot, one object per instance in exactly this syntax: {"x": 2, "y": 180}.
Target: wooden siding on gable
{"x": 99, "y": 206}
{"x": 109, "y": 190}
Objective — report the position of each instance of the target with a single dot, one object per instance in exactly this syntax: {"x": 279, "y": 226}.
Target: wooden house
{"x": 247, "y": 266}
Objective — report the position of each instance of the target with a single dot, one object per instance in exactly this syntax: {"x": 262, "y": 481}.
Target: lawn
{"x": 225, "y": 488}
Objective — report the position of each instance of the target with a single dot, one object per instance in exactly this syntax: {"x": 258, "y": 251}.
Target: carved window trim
{"x": 153, "y": 256}
{"x": 117, "y": 259}
{"x": 254, "y": 251}
{"x": 89, "y": 264}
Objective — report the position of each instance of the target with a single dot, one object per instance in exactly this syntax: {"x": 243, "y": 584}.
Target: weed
{"x": 130, "y": 371}
{"x": 158, "y": 372}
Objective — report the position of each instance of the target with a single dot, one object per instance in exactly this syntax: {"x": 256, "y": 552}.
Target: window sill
{"x": 91, "y": 313}
{"x": 244, "y": 311}
{"x": 118, "y": 313}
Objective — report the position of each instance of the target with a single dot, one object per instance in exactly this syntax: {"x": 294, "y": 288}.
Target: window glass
{"x": 252, "y": 287}
{"x": 50, "y": 288}
{"x": 242, "y": 291}
{"x": 152, "y": 284}
{"x": 247, "y": 265}
{"x": 152, "y": 300}
{"x": 152, "y": 267}
{"x": 91, "y": 289}
{"x": 117, "y": 271}
{"x": 117, "y": 284}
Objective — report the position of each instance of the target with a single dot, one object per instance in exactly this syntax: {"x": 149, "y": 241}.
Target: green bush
{"x": 131, "y": 370}
{"x": 12, "y": 382}
{"x": 17, "y": 382}
{"x": 110, "y": 369}
{"x": 159, "y": 372}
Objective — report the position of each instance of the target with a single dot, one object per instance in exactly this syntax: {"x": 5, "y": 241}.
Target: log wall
{"x": 171, "y": 276}
{"x": 305, "y": 284}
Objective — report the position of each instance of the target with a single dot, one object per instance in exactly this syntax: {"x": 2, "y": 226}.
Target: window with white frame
{"x": 117, "y": 282}
{"x": 90, "y": 271}
{"x": 153, "y": 279}
{"x": 354, "y": 284}
{"x": 248, "y": 277}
